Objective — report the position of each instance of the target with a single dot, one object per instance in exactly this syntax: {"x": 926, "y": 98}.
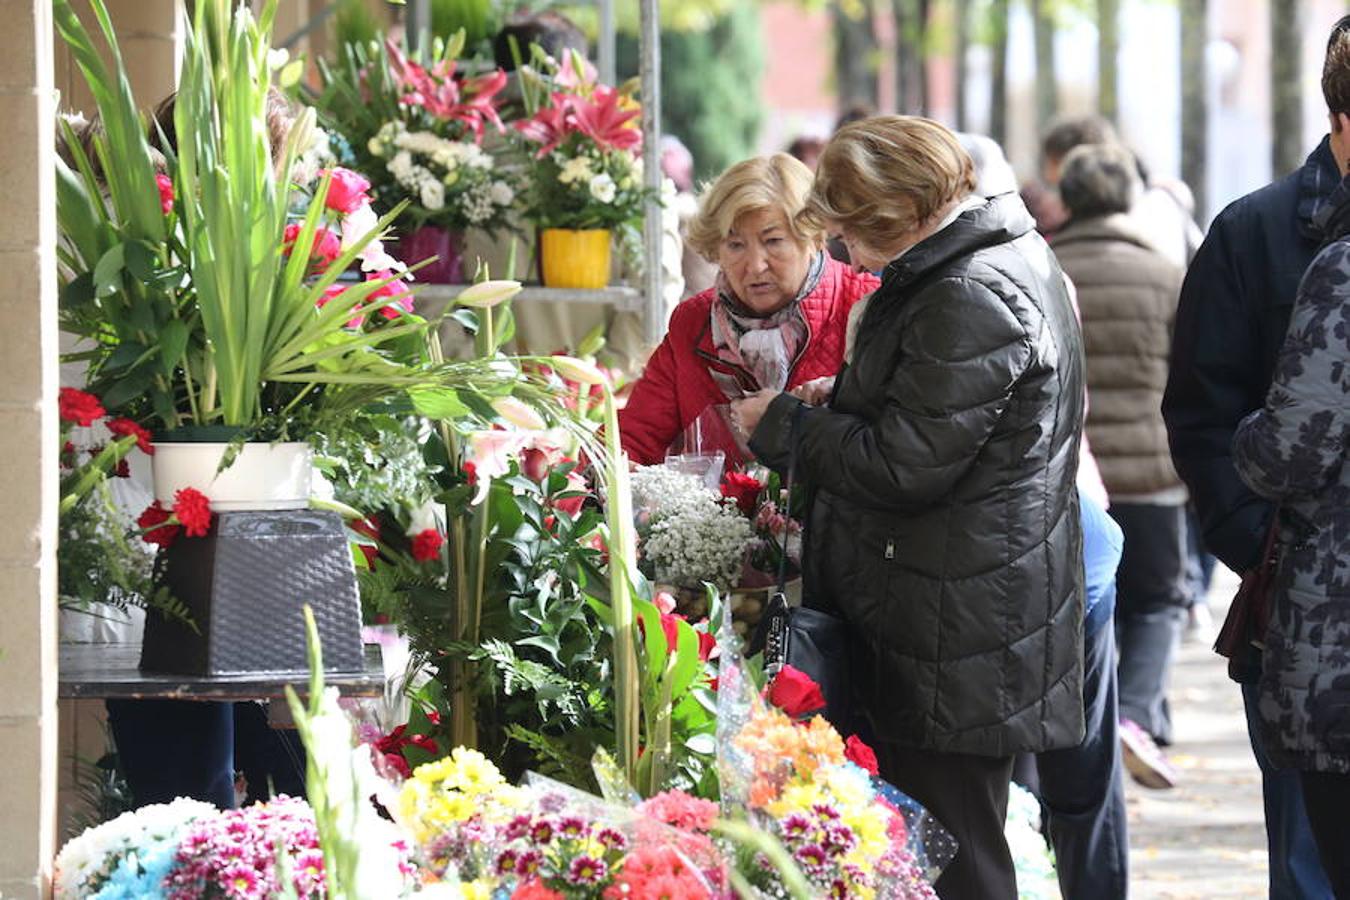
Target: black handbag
{"x": 810, "y": 640}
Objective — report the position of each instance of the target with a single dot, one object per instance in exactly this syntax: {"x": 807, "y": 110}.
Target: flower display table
{"x": 100, "y": 671}
{"x": 618, "y": 296}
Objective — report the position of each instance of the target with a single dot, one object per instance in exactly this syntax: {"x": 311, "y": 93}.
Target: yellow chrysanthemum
{"x": 472, "y": 772}
{"x": 476, "y": 890}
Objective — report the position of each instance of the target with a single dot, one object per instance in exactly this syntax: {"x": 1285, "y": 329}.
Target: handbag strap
{"x": 787, "y": 497}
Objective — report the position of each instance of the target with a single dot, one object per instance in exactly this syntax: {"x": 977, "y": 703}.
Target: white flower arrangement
{"x": 455, "y": 183}
{"x": 692, "y": 534}
{"x": 89, "y": 860}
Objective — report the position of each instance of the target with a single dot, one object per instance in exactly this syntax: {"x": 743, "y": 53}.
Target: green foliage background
{"x": 709, "y": 86}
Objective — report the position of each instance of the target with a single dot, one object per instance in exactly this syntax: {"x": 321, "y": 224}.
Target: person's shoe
{"x": 1144, "y": 761}
{"x": 1199, "y": 625}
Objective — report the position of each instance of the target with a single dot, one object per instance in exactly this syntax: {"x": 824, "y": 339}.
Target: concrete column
{"x": 28, "y": 463}
{"x": 151, "y": 35}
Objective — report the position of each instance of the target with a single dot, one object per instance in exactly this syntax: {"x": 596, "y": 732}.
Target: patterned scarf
{"x": 764, "y": 346}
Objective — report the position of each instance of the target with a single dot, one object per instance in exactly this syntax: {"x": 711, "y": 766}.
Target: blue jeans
{"x": 1295, "y": 869}
{"x": 1081, "y": 787}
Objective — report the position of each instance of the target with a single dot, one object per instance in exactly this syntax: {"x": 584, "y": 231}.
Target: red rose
{"x": 795, "y": 693}
{"x": 165, "y": 185}
{"x": 533, "y": 464}
{"x": 156, "y": 515}
{"x": 855, "y": 751}
{"x": 193, "y": 510}
{"x": 347, "y": 191}
{"x": 743, "y": 489}
{"x": 326, "y": 247}
{"x": 79, "y": 407}
{"x": 706, "y": 645}
{"x": 123, "y": 427}
{"x": 426, "y": 545}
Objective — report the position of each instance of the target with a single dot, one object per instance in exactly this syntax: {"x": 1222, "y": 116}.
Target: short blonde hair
{"x": 778, "y": 182}
{"x": 885, "y": 176}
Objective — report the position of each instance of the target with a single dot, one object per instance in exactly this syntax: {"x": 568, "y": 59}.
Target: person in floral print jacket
{"x": 1293, "y": 451}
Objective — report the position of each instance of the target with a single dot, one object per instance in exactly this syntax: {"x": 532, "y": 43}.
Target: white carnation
{"x": 433, "y": 195}
{"x": 602, "y": 188}
{"x": 501, "y": 193}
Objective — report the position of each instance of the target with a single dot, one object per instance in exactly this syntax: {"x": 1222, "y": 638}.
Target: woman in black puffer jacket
{"x": 944, "y": 527}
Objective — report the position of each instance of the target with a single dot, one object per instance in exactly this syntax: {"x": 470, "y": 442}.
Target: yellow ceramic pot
{"x": 575, "y": 259}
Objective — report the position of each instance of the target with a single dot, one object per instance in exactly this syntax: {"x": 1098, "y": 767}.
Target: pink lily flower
{"x": 604, "y": 121}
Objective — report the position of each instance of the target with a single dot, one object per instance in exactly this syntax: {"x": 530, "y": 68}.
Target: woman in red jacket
{"x": 775, "y": 319}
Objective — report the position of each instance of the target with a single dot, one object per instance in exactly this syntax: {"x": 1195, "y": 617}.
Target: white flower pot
{"x": 262, "y": 477}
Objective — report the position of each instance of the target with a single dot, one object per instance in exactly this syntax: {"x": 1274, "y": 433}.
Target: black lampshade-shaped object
{"x": 245, "y": 586}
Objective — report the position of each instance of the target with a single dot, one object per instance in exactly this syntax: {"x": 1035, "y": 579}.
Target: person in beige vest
{"x": 1127, "y": 293}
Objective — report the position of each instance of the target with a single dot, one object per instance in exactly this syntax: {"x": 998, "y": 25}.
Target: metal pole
{"x": 417, "y": 21}
{"x": 654, "y": 320}
{"x": 605, "y": 51}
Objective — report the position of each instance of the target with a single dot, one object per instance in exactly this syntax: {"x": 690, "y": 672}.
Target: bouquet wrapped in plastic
{"x": 850, "y": 833}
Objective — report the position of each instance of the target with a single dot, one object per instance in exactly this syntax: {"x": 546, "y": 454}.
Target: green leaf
{"x": 438, "y": 403}
{"x": 466, "y": 317}
{"x": 173, "y": 338}
{"x": 125, "y": 356}
{"x": 141, "y": 261}
{"x": 129, "y": 388}
{"x": 78, "y": 291}
{"x": 108, "y": 271}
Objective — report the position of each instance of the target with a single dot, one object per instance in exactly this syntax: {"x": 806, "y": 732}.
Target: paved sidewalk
{"x": 1205, "y": 838}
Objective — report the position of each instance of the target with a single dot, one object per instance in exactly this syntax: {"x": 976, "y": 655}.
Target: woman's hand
{"x": 746, "y": 412}
{"x": 816, "y": 391}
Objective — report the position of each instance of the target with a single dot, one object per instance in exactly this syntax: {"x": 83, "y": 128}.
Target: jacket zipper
{"x": 890, "y": 548}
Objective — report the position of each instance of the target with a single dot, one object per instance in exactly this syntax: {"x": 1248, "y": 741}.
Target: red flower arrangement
{"x": 79, "y": 407}
{"x": 468, "y": 101}
{"x": 122, "y": 427}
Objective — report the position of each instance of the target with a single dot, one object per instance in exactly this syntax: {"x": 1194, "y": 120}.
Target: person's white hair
{"x": 993, "y": 174}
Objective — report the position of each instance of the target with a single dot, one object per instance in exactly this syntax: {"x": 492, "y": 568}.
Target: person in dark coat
{"x": 1231, "y": 323}
{"x": 944, "y": 527}
{"x": 1292, "y": 451}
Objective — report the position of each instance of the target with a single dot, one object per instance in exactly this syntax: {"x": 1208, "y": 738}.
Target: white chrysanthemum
{"x": 401, "y": 165}
{"x": 602, "y": 188}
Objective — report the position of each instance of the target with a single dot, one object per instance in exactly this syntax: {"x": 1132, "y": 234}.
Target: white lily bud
{"x": 519, "y": 413}
{"x": 488, "y": 293}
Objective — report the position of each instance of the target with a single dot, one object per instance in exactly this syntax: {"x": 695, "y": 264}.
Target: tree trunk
{"x": 1194, "y": 109}
{"x": 1108, "y": 52}
{"x": 998, "y": 82}
{"x": 911, "y": 32}
{"x": 961, "y": 10}
{"x": 1044, "y": 29}
{"x": 1286, "y": 96}
{"x": 855, "y": 51}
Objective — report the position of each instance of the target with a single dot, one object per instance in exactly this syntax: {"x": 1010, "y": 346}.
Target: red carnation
{"x": 122, "y": 427}
{"x": 426, "y": 545}
{"x": 855, "y": 751}
{"x": 795, "y": 693}
{"x": 743, "y": 489}
{"x": 156, "y": 515}
{"x": 165, "y": 185}
{"x": 193, "y": 510}
{"x": 79, "y": 407}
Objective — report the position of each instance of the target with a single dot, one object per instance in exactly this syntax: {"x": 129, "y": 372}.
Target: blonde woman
{"x": 774, "y": 319}
{"x": 945, "y": 526}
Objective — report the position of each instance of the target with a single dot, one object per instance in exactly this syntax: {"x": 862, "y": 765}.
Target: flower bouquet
{"x": 416, "y": 125}
{"x": 849, "y": 833}
{"x": 586, "y": 174}
{"x": 129, "y": 856}
{"x": 689, "y": 534}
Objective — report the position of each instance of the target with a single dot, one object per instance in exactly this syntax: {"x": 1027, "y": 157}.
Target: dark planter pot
{"x": 432, "y": 240}
{"x": 245, "y": 586}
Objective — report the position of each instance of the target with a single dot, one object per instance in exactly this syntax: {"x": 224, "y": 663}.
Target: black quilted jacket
{"x": 944, "y": 526}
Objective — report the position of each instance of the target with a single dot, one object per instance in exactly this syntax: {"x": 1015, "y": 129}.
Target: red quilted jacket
{"x": 677, "y": 385}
